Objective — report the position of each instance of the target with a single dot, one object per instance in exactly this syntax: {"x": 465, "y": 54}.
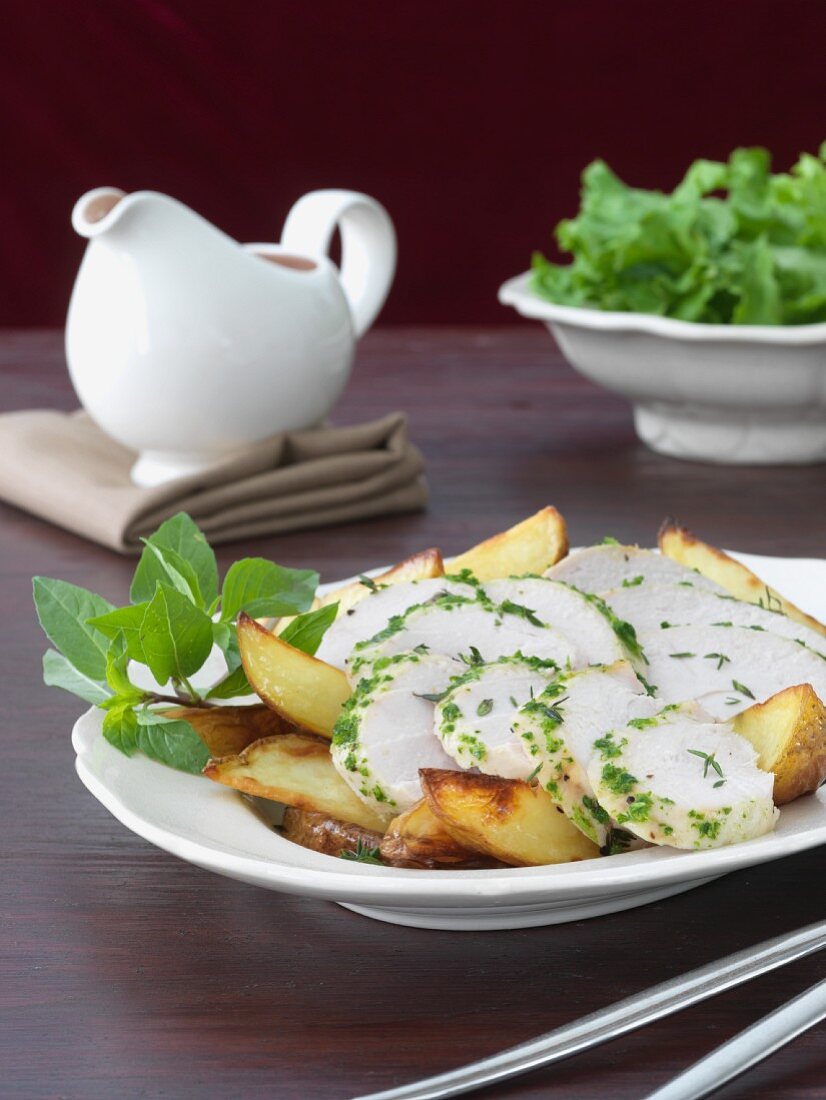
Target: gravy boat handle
{"x": 368, "y": 246}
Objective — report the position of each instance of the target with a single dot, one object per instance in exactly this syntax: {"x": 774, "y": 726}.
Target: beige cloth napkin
{"x": 62, "y": 467}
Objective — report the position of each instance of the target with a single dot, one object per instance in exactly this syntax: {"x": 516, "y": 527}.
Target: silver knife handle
{"x": 618, "y": 1019}
{"x": 748, "y": 1048}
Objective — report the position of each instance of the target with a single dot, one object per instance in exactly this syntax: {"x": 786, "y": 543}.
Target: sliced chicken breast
{"x": 473, "y": 720}
{"x": 683, "y": 783}
{"x": 726, "y": 668}
{"x": 588, "y": 623}
{"x": 385, "y": 732}
{"x": 600, "y": 569}
{"x": 560, "y": 727}
{"x": 376, "y": 610}
{"x": 458, "y": 627}
{"x": 653, "y": 607}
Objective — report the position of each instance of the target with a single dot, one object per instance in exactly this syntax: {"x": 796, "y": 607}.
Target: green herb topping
{"x": 473, "y": 658}
{"x": 523, "y": 612}
{"x": 363, "y": 853}
{"x": 720, "y": 658}
{"x": 742, "y": 689}
{"x": 709, "y": 761}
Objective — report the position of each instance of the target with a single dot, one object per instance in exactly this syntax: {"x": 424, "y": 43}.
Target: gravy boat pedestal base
{"x": 157, "y": 467}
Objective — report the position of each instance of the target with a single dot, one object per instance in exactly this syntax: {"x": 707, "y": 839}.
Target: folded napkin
{"x": 62, "y": 467}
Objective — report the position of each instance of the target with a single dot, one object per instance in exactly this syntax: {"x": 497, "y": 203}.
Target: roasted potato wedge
{"x": 532, "y": 546}
{"x": 305, "y": 691}
{"x": 417, "y": 838}
{"x": 426, "y": 563}
{"x": 507, "y": 819}
{"x": 789, "y": 733}
{"x": 679, "y": 544}
{"x": 325, "y": 834}
{"x": 228, "y": 730}
{"x": 296, "y": 769}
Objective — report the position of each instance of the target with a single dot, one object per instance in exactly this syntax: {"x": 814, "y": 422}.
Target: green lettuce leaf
{"x": 732, "y": 244}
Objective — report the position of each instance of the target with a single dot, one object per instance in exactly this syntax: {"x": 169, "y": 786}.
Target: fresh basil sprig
{"x": 177, "y": 614}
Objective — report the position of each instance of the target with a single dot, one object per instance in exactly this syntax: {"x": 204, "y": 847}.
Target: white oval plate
{"x": 212, "y": 827}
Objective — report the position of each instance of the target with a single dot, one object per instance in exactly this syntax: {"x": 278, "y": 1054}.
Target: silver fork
{"x": 618, "y": 1019}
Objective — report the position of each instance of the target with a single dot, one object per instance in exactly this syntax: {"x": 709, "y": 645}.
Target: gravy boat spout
{"x": 94, "y": 213}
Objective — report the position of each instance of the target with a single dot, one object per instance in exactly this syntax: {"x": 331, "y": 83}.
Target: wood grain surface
{"x": 124, "y": 972}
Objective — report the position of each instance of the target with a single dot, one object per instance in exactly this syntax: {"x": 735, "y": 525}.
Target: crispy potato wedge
{"x": 322, "y": 833}
{"x": 426, "y": 563}
{"x": 532, "y": 546}
{"x": 679, "y": 544}
{"x": 228, "y": 730}
{"x": 417, "y": 838}
{"x": 507, "y": 819}
{"x": 305, "y": 691}
{"x": 789, "y": 733}
{"x": 296, "y": 769}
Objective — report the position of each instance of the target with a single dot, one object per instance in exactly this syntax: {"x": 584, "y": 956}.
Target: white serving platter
{"x": 212, "y": 827}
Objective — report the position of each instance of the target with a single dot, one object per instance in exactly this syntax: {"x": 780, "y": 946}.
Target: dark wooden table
{"x": 127, "y": 973}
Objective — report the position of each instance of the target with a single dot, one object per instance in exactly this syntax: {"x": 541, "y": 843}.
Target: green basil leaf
{"x": 227, "y": 641}
{"x": 63, "y": 610}
{"x": 181, "y": 535}
{"x": 120, "y": 728}
{"x": 58, "y": 671}
{"x": 176, "y": 570}
{"x": 235, "y": 683}
{"x": 306, "y": 631}
{"x": 117, "y": 674}
{"x": 171, "y": 741}
{"x": 126, "y": 621}
{"x": 176, "y": 637}
{"x": 261, "y": 587}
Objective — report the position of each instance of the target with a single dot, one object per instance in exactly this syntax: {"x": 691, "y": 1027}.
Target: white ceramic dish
{"x": 750, "y": 394}
{"x": 213, "y": 828}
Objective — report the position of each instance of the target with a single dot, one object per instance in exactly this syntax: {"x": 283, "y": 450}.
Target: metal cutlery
{"x": 620, "y": 1018}
{"x": 748, "y": 1048}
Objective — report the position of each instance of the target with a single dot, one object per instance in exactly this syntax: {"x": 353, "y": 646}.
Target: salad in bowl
{"x": 706, "y": 307}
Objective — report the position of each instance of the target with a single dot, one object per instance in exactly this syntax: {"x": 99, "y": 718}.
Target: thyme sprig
{"x": 709, "y": 761}
{"x": 362, "y": 853}
{"x": 742, "y": 689}
{"x": 720, "y": 658}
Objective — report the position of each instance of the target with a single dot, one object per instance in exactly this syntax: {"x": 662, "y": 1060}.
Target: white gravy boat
{"x": 185, "y": 346}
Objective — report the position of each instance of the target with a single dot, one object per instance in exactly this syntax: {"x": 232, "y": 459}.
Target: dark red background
{"x": 469, "y": 119}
